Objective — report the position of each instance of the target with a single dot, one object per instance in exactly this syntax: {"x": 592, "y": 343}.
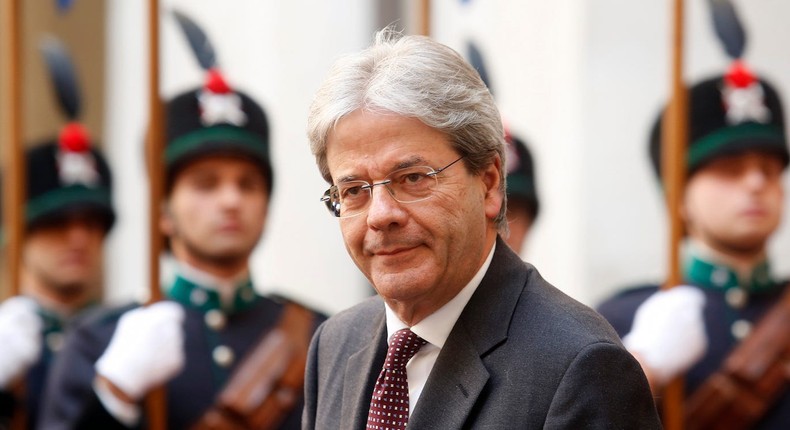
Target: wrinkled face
{"x": 66, "y": 256}
{"x": 216, "y": 210}
{"x": 734, "y": 203}
{"x": 417, "y": 254}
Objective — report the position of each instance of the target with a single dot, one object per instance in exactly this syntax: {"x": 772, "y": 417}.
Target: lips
{"x": 230, "y": 226}
{"x": 78, "y": 259}
{"x": 395, "y": 251}
{"x": 755, "y": 212}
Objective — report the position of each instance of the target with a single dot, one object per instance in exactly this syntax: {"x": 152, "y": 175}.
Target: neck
{"x": 222, "y": 268}
{"x": 63, "y": 300}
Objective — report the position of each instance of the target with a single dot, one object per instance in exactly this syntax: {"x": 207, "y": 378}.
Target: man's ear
{"x": 492, "y": 178}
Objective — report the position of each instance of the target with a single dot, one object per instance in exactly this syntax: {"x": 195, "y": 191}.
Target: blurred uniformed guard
{"x": 726, "y": 317}
{"x": 68, "y": 213}
{"x": 522, "y": 196}
{"x": 215, "y": 342}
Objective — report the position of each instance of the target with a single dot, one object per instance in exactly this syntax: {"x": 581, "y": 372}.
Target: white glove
{"x": 146, "y": 350}
{"x": 20, "y": 337}
{"x": 668, "y": 333}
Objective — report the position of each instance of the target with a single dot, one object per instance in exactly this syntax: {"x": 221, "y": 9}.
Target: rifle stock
{"x": 155, "y": 401}
{"x": 673, "y": 166}
{"x": 14, "y": 178}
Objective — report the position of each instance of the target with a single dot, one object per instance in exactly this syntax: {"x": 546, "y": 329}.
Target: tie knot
{"x": 403, "y": 345}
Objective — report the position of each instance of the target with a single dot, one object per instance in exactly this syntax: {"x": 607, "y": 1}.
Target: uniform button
{"x": 223, "y": 356}
{"x": 720, "y": 276}
{"x": 740, "y": 329}
{"x": 736, "y": 297}
{"x": 198, "y": 297}
{"x": 54, "y": 341}
{"x": 215, "y": 319}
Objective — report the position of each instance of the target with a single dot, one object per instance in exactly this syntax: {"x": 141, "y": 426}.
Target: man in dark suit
{"x": 202, "y": 340}
{"x": 412, "y": 143}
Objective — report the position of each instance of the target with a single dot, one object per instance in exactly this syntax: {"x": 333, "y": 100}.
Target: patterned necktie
{"x": 389, "y": 406}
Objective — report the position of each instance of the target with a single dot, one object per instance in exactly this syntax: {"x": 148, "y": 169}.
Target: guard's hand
{"x": 146, "y": 350}
{"x": 20, "y": 337}
{"x": 668, "y": 334}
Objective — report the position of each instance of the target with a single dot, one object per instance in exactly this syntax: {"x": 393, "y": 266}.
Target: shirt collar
{"x": 436, "y": 327}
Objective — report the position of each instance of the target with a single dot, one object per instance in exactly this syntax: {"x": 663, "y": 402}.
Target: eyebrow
{"x": 415, "y": 160}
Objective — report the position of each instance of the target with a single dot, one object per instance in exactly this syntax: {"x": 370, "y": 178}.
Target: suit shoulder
{"x": 353, "y": 323}
{"x": 575, "y": 323}
{"x": 359, "y": 314}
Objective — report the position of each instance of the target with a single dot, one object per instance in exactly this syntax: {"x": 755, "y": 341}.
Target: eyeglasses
{"x": 407, "y": 185}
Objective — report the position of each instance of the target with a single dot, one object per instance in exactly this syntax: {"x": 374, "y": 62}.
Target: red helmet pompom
{"x": 74, "y": 138}
{"x": 215, "y": 83}
{"x": 739, "y": 76}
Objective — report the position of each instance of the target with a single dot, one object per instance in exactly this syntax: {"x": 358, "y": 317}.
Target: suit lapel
{"x": 460, "y": 374}
{"x": 452, "y": 389}
{"x": 362, "y": 369}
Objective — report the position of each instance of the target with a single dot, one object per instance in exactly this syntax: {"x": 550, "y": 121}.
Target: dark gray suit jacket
{"x": 522, "y": 355}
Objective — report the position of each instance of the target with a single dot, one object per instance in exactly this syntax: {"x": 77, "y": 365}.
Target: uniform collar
{"x": 196, "y": 290}
{"x": 52, "y": 321}
{"x": 705, "y": 272}
{"x": 55, "y": 318}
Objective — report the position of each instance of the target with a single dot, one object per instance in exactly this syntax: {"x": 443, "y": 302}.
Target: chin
{"x": 400, "y": 285}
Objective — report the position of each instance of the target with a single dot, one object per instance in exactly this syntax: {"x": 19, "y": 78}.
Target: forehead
{"x": 369, "y": 144}
{"x": 219, "y": 164}
{"x": 744, "y": 157}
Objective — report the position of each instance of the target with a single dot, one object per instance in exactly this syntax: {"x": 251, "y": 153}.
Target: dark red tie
{"x": 389, "y": 406}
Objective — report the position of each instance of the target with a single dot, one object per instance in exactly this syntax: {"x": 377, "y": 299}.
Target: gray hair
{"x": 416, "y": 77}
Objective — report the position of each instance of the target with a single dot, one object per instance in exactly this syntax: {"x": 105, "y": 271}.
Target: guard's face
{"x": 519, "y": 222}
{"x": 734, "y": 203}
{"x": 216, "y": 210}
{"x": 66, "y": 256}
{"x": 417, "y": 255}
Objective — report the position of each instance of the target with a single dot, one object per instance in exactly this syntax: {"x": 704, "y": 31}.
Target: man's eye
{"x": 413, "y": 178}
{"x": 351, "y": 192}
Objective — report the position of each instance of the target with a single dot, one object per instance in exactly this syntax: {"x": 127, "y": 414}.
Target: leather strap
{"x": 751, "y": 378}
{"x": 269, "y": 382}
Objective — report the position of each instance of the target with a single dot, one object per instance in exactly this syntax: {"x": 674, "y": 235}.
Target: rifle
{"x": 155, "y": 401}
{"x": 424, "y": 18}
{"x": 14, "y": 183}
{"x": 673, "y": 172}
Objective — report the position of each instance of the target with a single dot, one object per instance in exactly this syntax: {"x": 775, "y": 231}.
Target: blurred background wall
{"x": 581, "y": 81}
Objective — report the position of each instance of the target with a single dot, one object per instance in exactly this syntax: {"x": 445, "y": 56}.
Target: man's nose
{"x": 383, "y": 209}
{"x": 756, "y": 177}
{"x": 230, "y": 194}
